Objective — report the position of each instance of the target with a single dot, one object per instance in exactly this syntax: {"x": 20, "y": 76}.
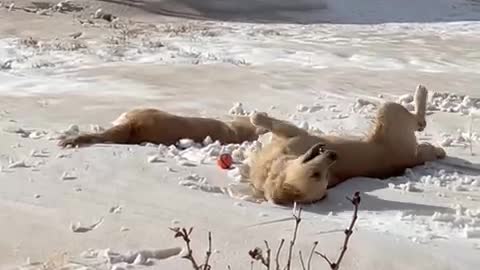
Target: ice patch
{"x": 67, "y": 176}
{"x": 17, "y": 164}
{"x": 131, "y": 258}
{"x": 79, "y": 228}
{"x": 194, "y": 181}
{"x": 157, "y": 158}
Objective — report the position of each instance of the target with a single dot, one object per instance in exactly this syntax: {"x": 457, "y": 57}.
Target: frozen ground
{"x": 312, "y": 74}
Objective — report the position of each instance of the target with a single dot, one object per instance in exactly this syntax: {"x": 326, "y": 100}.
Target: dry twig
{"x": 301, "y": 260}
{"x": 206, "y": 265}
{"x": 269, "y": 252}
{"x": 185, "y": 235}
{"x": 348, "y": 232}
{"x": 257, "y": 255}
{"x": 264, "y": 258}
{"x": 277, "y": 256}
{"x": 309, "y": 263}
{"x": 297, "y": 215}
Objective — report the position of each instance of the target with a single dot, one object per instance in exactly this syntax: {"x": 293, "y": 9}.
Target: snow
{"x": 327, "y": 77}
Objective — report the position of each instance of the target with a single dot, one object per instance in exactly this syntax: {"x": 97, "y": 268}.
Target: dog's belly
{"x": 299, "y": 145}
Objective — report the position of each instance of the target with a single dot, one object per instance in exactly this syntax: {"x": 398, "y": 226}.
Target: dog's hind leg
{"x": 276, "y": 126}
{"x": 118, "y": 134}
{"x": 425, "y": 151}
{"x": 394, "y": 121}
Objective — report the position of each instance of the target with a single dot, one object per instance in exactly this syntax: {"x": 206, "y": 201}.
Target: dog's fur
{"x": 159, "y": 127}
{"x": 280, "y": 172}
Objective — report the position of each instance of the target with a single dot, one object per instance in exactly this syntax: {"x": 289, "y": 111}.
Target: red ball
{"x": 225, "y": 161}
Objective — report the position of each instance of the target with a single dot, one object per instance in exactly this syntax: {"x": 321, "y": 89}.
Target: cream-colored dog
{"x": 298, "y": 166}
{"x": 159, "y": 127}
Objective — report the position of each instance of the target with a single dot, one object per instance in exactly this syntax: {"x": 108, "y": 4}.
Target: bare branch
{"x": 325, "y": 258}
{"x": 298, "y": 219}
{"x": 277, "y": 263}
{"x": 301, "y": 260}
{"x": 269, "y": 252}
{"x": 348, "y": 233}
{"x": 206, "y": 265}
{"x": 182, "y": 233}
{"x": 309, "y": 263}
{"x": 257, "y": 255}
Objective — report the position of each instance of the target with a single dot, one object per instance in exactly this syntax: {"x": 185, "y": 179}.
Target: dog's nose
{"x": 332, "y": 155}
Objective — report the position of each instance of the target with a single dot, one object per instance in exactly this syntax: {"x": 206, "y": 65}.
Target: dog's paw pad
{"x": 421, "y": 90}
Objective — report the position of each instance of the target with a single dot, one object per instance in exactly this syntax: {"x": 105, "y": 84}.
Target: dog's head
{"x": 304, "y": 179}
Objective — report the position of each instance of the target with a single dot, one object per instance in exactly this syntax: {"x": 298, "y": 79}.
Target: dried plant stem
{"x": 277, "y": 256}
{"x": 206, "y": 265}
{"x": 189, "y": 255}
{"x": 301, "y": 260}
{"x": 257, "y": 254}
{"x": 309, "y": 263}
{"x": 298, "y": 219}
{"x": 185, "y": 235}
{"x": 348, "y": 233}
{"x": 268, "y": 259}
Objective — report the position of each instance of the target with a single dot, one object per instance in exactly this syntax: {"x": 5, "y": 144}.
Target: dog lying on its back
{"x": 293, "y": 167}
{"x": 159, "y": 127}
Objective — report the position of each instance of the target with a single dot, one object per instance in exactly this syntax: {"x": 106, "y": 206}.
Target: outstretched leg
{"x": 425, "y": 151}
{"x": 117, "y": 134}
{"x": 395, "y": 123}
{"x": 276, "y": 126}
{"x": 421, "y": 95}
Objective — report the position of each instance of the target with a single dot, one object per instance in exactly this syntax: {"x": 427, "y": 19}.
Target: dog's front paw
{"x": 421, "y": 91}
{"x": 68, "y": 142}
{"x": 422, "y": 124}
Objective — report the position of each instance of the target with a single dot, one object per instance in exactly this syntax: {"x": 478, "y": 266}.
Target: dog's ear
{"x": 286, "y": 194}
{"x": 313, "y": 152}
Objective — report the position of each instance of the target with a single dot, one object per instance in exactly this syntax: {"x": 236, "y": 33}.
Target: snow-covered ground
{"x": 329, "y": 77}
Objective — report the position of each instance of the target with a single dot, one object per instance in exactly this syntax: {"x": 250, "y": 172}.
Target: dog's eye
{"x": 316, "y": 175}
